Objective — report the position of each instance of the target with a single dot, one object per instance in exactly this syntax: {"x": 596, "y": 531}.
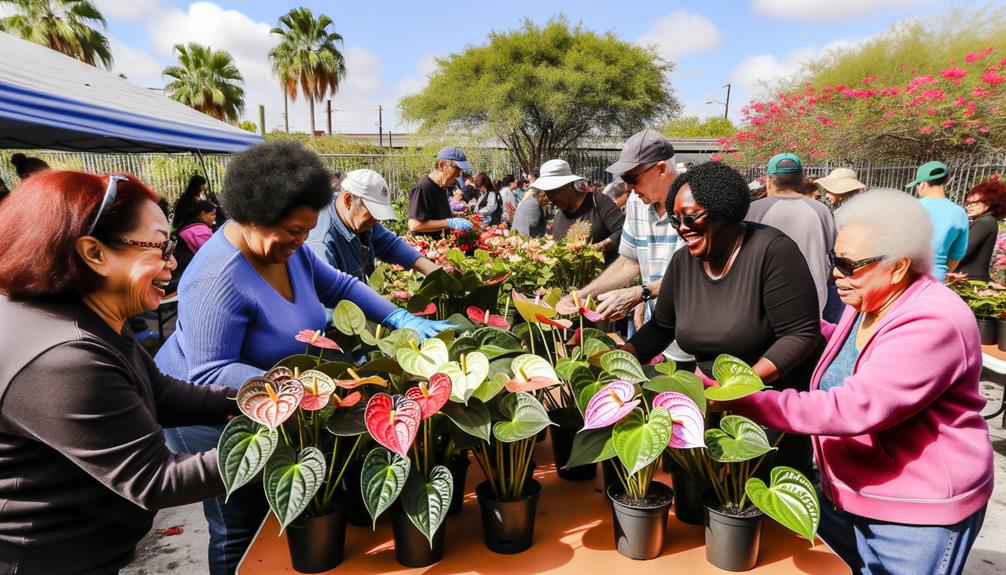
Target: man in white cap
{"x": 840, "y": 185}
{"x": 349, "y": 236}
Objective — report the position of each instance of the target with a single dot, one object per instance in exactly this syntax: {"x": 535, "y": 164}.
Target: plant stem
{"x": 286, "y": 438}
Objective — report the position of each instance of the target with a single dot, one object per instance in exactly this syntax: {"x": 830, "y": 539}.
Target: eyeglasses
{"x": 633, "y": 178}
{"x": 167, "y": 247}
{"x": 848, "y": 267}
{"x": 106, "y": 202}
{"x": 688, "y": 219}
{"x": 972, "y": 203}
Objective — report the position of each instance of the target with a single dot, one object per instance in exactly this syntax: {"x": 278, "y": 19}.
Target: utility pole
{"x": 726, "y": 107}
{"x": 380, "y": 127}
{"x": 261, "y": 120}
{"x": 329, "y": 106}
{"x": 286, "y": 111}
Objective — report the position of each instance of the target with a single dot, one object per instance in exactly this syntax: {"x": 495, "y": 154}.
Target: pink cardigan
{"x": 902, "y": 439}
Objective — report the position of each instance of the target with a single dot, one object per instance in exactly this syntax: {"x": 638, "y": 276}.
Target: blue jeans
{"x": 232, "y": 525}
{"x": 872, "y": 547}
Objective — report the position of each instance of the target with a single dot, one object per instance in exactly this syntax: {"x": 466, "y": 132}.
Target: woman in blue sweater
{"x": 251, "y": 288}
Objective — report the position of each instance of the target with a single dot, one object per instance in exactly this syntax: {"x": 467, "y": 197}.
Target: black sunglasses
{"x": 167, "y": 247}
{"x": 632, "y": 178}
{"x": 688, "y": 219}
{"x": 107, "y": 201}
{"x": 848, "y": 267}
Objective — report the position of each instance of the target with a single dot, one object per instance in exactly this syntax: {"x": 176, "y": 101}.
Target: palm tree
{"x": 307, "y": 57}
{"x": 206, "y": 80}
{"x": 62, "y": 25}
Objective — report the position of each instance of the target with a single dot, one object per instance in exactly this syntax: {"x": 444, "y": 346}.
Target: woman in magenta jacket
{"x": 893, "y": 407}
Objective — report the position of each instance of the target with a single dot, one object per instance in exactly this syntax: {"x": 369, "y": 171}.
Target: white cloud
{"x": 681, "y": 33}
{"x": 417, "y": 81}
{"x": 754, "y": 73}
{"x": 828, "y": 10}
{"x": 127, "y": 10}
{"x": 139, "y": 67}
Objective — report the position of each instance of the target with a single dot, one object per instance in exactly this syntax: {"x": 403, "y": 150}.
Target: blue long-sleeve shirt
{"x": 233, "y": 325}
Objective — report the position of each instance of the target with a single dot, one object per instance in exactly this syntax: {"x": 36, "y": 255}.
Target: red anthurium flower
{"x": 432, "y": 308}
{"x": 314, "y": 338}
{"x": 348, "y": 401}
{"x": 563, "y": 323}
{"x": 393, "y": 421}
{"x": 480, "y": 316}
{"x": 432, "y": 396}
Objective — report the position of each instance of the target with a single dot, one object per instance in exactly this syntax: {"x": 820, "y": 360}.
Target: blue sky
{"x": 391, "y": 46}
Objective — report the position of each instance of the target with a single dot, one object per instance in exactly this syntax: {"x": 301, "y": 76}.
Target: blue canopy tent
{"x": 54, "y": 102}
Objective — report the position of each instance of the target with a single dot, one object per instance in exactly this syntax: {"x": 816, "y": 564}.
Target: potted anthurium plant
{"x": 283, "y": 435}
{"x": 738, "y": 501}
{"x": 632, "y": 428}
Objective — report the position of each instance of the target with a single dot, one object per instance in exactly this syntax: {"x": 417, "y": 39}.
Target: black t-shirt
{"x": 605, "y": 222}
{"x": 428, "y": 201}
{"x": 766, "y": 306}
{"x": 470, "y": 193}
{"x": 981, "y": 245}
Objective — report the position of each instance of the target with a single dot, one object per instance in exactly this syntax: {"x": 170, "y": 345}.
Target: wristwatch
{"x": 647, "y": 296}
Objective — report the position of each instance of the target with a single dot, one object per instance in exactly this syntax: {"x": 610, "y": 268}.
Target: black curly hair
{"x": 266, "y": 182}
{"x": 718, "y": 188}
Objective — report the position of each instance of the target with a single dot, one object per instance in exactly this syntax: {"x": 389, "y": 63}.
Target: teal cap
{"x": 787, "y": 163}
{"x": 928, "y": 172}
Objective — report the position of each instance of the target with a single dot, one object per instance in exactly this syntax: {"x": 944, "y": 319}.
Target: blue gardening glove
{"x": 425, "y": 328}
{"x": 459, "y": 224}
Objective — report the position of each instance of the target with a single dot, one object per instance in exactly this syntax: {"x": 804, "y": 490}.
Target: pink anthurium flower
{"x": 348, "y": 401}
{"x": 610, "y": 404}
{"x": 270, "y": 402}
{"x": 393, "y": 421}
{"x": 483, "y": 317}
{"x": 315, "y": 339}
{"x": 430, "y": 309}
{"x": 357, "y": 381}
{"x": 432, "y": 396}
{"x": 688, "y": 425}
{"x": 563, "y": 323}
{"x": 500, "y": 279}
{"x": 318, "y": 390}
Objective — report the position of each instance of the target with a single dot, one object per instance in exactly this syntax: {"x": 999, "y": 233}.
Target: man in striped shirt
{"x": 647, "y": 167}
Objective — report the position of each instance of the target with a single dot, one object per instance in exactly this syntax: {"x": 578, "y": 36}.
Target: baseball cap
{"x": 370, "y": 187}
{"x": 928, "y": 172}
{"x": 787, "y": 163}
{"x": 645, "y": 147}
{"x": 840, "y": 181}
{"x": 455, "y": 155}
{"x": 554, "y": 174}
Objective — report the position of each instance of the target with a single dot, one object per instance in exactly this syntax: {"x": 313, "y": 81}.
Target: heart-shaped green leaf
{"x": 425, "y": 360}
{"x": 349, "y": 421}
{"x": 290, "y": 482}
{"x": 463, "y": 345}
{"x": 623, "y": 365}
{"x": 684, "y": 382}
{"x": 640, "y": 441}
{"x": 736, "y": 379}
{"x": 791, "y": 500}
{"x": 473, "y": 418}
{"x": 349, "y": 318}
{"x": 382, "y": 480}
{"x": 426, "y": 503}
{"x": 524, "y": 416}
{"x": 402, "y": 337}
{"x": 463, "y": 323}
{"x": 594, "y": 333}
{"x": 466, "y": 375}
{"x": 497, "y": 337}
{"x": 593, "y": 347}
{"x": 299, "y": 361}
{"x": 491, "y": 387}
{"x": 666, "y": 367}
{"x": 591, "y": 446}
{"x": 738, "y": 439}
{"x": 381, "y": 366}
{"x": 243, "y": 450}
{"x": 586, "y": 393}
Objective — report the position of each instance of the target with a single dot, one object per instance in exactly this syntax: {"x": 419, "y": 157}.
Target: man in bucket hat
{"x": 840, "y": 184}
{"x": 950, "y": 221}
{"x": 429, "y": 202}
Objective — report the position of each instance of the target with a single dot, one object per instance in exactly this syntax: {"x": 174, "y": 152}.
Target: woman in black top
{"x": 986, "y": 205}
{"x": 740, "y": 288}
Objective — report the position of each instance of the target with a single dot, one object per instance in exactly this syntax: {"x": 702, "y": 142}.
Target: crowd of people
{"x": 873, "y": 363}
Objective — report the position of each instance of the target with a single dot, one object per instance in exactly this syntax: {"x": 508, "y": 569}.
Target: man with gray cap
{"x": 429, "y": 202}
{"x": 647, "y": 167}
{"x": 349, "y": 236}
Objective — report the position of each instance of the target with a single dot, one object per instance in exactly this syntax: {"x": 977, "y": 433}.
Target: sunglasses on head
{"x": 688, "y": 219}
{"x": 631, "y": 178}
{"x": 107, "y": 201}
{"x": 848, "y": 267}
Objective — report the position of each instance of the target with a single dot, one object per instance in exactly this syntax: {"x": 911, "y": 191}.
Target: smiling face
{"x": 701, "y": 234}
{"x": 975, "y": 206}
{"x": 653, "y": 183}
{"x": 566, "y": 198}
{"x": 135, "y": 276}
{"x": 277, "y": 243}
{"x": 870, "y": 287}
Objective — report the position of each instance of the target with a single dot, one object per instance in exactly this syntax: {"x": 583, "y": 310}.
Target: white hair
{"x": 898, "y": 225}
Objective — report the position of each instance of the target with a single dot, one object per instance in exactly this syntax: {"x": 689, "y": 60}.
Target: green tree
{"x": 248, "y": 126}
{"x": 694, "y": 127}
{"x": 62, "y": 25}
{"x": 307, "y": 59}
{"x": 206, "y": 80}
{"x": 540, "y": 90}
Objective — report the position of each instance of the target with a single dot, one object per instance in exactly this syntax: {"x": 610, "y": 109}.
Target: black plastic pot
{"x": 732, "y": 541}
{"x": 688, "y": 506}
{"x": 412, "y": 549}
{"x": 508, "y": 526}
{"x": 318, "y": 544}
{"x": 640, "y": 526}
{"x": 459, "y": 472}
{"x": 569, "y": 422}
{"x": 357, "y": 513}
{"x": 1001, "y": 334}
{"x": 989, "y": 330}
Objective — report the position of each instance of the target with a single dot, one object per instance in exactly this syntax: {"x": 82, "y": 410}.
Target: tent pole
{"x": 206, "y": 173}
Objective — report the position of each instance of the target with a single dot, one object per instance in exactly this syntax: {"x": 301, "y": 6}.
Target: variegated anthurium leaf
{"x": 593, "y": 347}
{"x": 689, "y": 424}
{"x": 666, "y": 367}
{"x": 738, "y": 439}
{"x": 791, "y": 499}
{"x": 270, "y": 401}
{"x": 423, "y": 360}
{"x": 610, "y": 405}
{"x": 382, "y": 479}
{"x": 531, "y": 373}
{"x": 426, "y": 503}
{"x": 736, "y": 379}
{"x": 639, "y": 440}
{"x": 398, "y": 339}
{"x": 524, "y": 416}
{"x": 291, "y": 482}
{"x": 243, "y": 450}
{"x": 349, "y": 318}
{"x": 623, "y": 365}
{"x": 466, "y": 374}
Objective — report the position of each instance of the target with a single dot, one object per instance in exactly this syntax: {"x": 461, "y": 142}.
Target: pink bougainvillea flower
{"x": 563, "y": 323}
{"x": 483, "y": 317}
{"x": 610, "y": 404}
{"x": 951, "y": 73}
{"x": 315, "y": 339}
{"x": 688, "y": 425}
{"x": 430, "y": 309}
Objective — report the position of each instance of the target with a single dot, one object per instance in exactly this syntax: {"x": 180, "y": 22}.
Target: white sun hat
{"x": 554, "y": 174}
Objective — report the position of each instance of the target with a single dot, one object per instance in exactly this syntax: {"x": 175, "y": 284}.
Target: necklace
{"x": 730, "y": 261}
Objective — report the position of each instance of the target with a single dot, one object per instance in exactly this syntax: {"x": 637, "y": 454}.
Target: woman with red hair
{"x": 986, "y": 205}
{"x": 82, "y": 405}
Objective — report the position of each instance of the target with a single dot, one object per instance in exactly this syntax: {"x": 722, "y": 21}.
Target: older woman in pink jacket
{"x": 893, "y": 407}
